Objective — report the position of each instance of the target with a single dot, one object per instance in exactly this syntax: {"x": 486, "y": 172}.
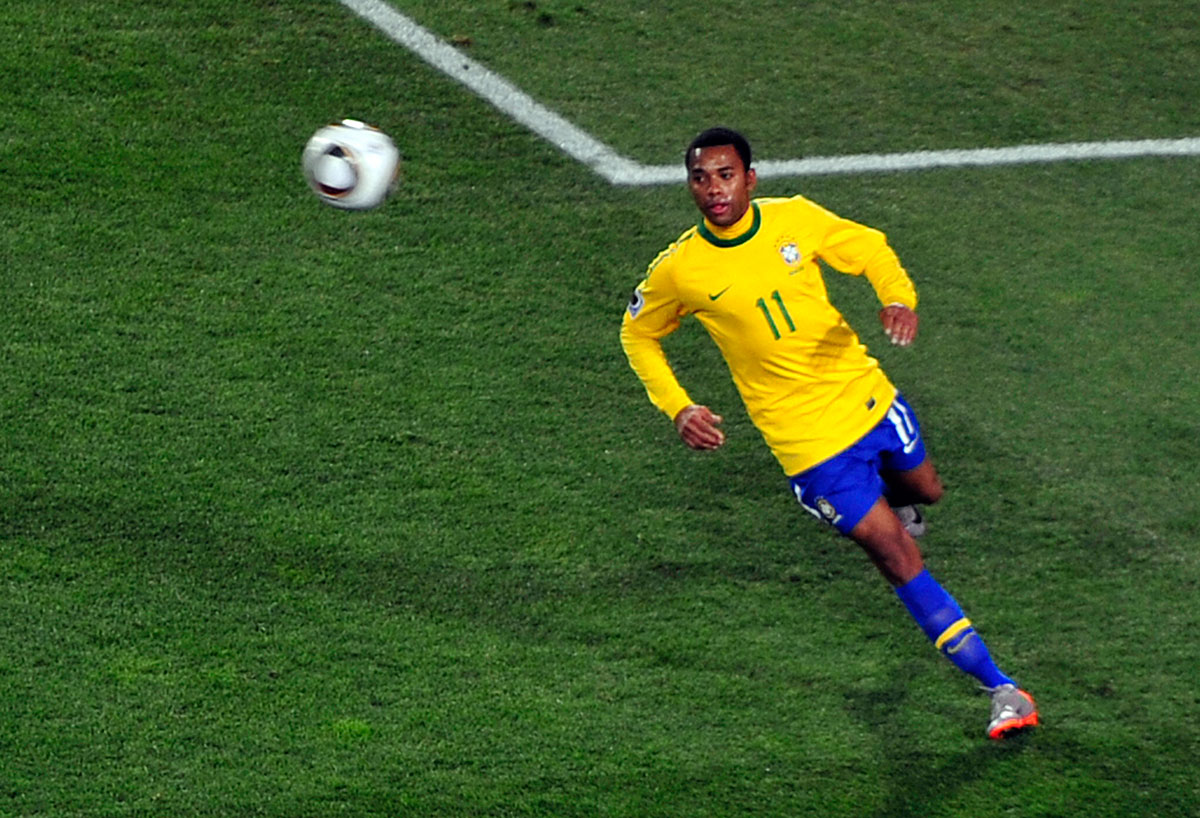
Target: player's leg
{"x": 847, "y": 493}
{"x": 911, "y": 480}
{"x": 894, "y": 551}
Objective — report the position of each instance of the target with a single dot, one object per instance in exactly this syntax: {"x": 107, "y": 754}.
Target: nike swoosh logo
{"x": 712, "y": 297}
{"x": 962, "y": 643}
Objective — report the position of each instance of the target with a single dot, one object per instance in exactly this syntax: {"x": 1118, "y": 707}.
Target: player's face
{"x": 720, "y": 184}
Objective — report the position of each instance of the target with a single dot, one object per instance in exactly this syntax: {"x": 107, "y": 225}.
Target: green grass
{"x": 836, "y": 78}
{"x": 309, "y": 513}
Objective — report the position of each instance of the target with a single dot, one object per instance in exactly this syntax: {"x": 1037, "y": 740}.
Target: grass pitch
{"x": 308, "y": 513}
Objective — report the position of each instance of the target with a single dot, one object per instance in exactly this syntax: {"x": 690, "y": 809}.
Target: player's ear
{"x": 751, "y": 180}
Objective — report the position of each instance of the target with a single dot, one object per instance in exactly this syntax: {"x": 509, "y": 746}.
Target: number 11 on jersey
{"x": 766, "y": 311}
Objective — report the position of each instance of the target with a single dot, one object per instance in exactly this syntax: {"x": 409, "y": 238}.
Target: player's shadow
{"x": 915, "y": 782}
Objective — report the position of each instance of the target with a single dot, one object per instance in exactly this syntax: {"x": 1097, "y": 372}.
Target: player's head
{"x": 715, "y": 137}
{"x": 719, "y": 175}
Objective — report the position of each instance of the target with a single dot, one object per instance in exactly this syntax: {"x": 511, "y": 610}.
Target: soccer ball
{"x": 351, "y": 165}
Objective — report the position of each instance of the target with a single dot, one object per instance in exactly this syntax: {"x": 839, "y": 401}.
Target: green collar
{"x": 716, "y": 241}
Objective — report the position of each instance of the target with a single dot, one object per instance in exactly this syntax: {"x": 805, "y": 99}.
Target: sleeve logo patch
{"x": 636, "y": 302}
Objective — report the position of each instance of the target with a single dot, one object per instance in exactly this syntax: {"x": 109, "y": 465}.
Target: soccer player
{"x": 844, "y": 435}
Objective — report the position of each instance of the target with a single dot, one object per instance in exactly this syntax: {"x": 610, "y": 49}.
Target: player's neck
{"x": 734, "y": 230}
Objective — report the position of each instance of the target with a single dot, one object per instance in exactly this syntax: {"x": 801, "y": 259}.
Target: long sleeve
{"x": 891, "y": 282}
{"x": 859, "y": 250}
{"x": 653, "y": 313}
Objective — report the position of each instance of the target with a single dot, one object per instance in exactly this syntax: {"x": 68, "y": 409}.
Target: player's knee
{"x": 927, "y": 484}
{"x": 899, "y": 563}
{"x": 902, "y": 564}
{"x": 934, "y": 491}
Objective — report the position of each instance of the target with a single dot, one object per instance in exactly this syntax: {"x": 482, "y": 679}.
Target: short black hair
{"x": 719, "y": 136}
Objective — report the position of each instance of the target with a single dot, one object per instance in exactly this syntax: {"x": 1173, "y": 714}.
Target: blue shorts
{"x": 842, "y": 489}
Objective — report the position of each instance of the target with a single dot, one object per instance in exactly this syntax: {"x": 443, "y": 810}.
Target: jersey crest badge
{"x": 790, "y": 253}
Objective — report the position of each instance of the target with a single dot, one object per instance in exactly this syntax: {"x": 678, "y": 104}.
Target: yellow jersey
{"x": 807, "y": 381}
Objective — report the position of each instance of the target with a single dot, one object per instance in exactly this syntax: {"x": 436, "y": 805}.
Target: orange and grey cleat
{"x": 1012, "y": 710}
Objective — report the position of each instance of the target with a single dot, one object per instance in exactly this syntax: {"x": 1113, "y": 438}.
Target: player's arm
{"x": 653, "y": 313}
{"x": 651, "y": 316}
{"x": 895, "y": 291}
{"x": 860, "y": 250}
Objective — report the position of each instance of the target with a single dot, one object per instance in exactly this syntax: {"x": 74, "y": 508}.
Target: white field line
{"x": 618, "y": 170}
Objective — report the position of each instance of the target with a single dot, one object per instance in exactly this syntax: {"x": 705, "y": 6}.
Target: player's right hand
{"x": 697, "y": 425}
{"x": 899, "y": 324}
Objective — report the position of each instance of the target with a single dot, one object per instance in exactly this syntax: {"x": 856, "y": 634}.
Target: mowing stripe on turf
{"x": 585, "y": 148}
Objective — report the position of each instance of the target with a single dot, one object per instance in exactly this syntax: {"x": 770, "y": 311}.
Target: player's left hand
{"x": 899, "y": 324}
{"x": 697, "y": 425}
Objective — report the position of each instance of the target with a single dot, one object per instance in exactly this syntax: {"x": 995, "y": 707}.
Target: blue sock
{"x": 950, "y": 631}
